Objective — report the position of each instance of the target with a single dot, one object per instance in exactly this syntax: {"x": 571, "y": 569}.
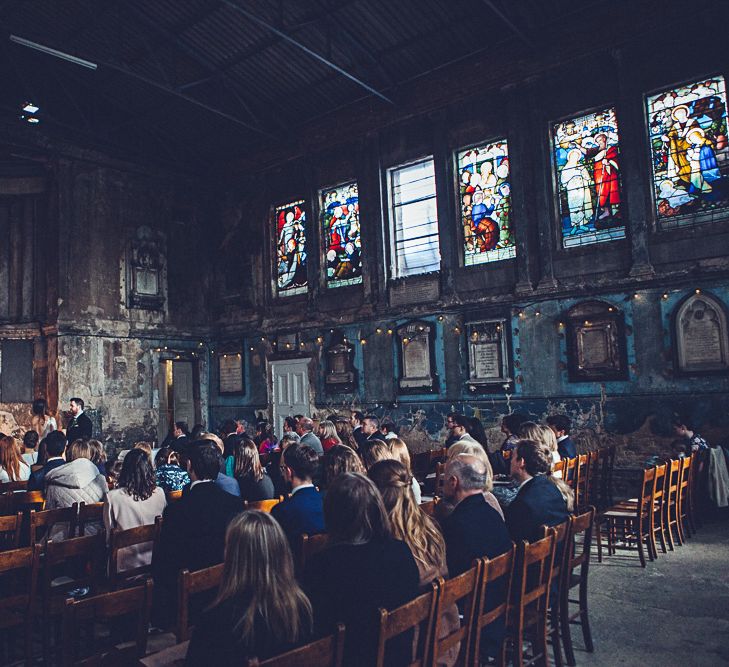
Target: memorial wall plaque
{"x": 230, "y": 373}
{"x": 488, "y": 352}
{"x": 416, "y": 357}
{"x": 701, "y": 336}
{"x": 340, "y": 371}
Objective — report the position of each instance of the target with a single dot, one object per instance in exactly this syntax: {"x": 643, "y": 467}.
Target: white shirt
{"x": 200, "y": 481}
{"x": 301, "y": 486}
{"x": 24, "y": 473}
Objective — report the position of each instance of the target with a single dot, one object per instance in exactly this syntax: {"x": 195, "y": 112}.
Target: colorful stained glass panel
{"x": 690, "y": 154}
{"x": 342, "y": 238}
{"x": 485, "y": 199}
{"x": 290, "y": 222}
{"x": 587, "y": 162}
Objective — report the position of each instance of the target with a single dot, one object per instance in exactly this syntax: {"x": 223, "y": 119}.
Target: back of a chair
{"x": 418, "y": 613}
{"x": 10, "y": 526}
{"x": 582, "y": 480}
{"x": 12, "y": 487}
{"x": 309, "y": 546}
{"x": 123, "y": 539}
{"x": 558, "y": 469}
{"x": 594, "y": 466}
{"x": 534, "y": 573}
{"x": 684, "y": 488}
{"x": 173, "y": 496}
{"x": 493, "y": 596}
{"x": 439, "y": 479}
{"x": 79, "y": 558}
{"x": 327, "y": 652}
{"x": 262, "y": 505}
{"x": 674, "y": 480}
{"x": 578, "y": 551}
{"x": 429, "y": 506}
{"x": 18, "y": 582}
{"x": 570, "y": 472}
{"x": 86, "y": 514}
{"x": 26, "y": 501}
{"x": 189, "y": 584}
{"x": 659, "y": 488}
{"x": 461, "y": 590}
{"x": 41, "y": 523}
{"x": 108, "y": 607}
{"x": 648, "y": 486}
{"x": 561, "y": 535}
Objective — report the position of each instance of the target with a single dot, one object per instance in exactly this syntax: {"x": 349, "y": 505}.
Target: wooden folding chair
{"x": 107, "y": 608}
{"x": 13, "y": 487}
{"x": 577, "y": 556}
{"x": 460, "y": 590}
{"x": 131, "y": 539}
{"x": 684, "y": 499}
{"x": 527, "y": 615}
{"x": 173, "y": 496}
{"x": 86, "y": 514}
{"x": 41, "y": 524}
{"x": 417, "y": 615}
{"x": 262, "y": 505}
{"x": 492, "y": 600}
{"x": 671, "y": 505}
{"x": 10, "y": 526}
{"x": 327, "y": 652}
{"x": 309, "y": 546}
{"x": 18, "y": 583}
{"x": 582, "y": 480}
{"x": 189, "y": 584}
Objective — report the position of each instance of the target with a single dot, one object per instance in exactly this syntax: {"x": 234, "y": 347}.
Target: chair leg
{"x": 556, "y": 643}
{"x": 564, "y": 626}
{"x": 641, "y": 555}
{"x": 584, "y": 618}
{"x": 669, "y": 531}
{"x": 597, "y": 528}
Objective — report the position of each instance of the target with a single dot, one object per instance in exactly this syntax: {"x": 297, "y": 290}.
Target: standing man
{"x": 181, "y": 435}
{"x": 80, "y": 427}
{"x": 305, "y": 428}
{"x": 356, "y": 418}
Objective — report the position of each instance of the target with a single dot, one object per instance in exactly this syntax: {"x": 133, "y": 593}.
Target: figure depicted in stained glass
{"x": 291, "y": 248}
{"x": 688, "y": 133}
{"x": 342, "y": 240}
{"x": 587, "y": 159}
{"x": 486, "y": 203}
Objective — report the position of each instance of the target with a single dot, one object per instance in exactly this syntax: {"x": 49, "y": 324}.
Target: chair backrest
{"x": 123, "y": 539}
{"x": 107, "y": 607}
{"x": 558, "y": 469}
{"x": 80, "y": 559}
{"x": 309, "y": 546}
{"x": 533, "y": 573}
{"x": 460, "y": 590}
{"x": 648, "y": 486}
{"x": 583, "y": 479}
{"x": 173, "y": 496}
{"x": 684, "y": 486}
{"x": 429, "y": 507}
{"x": 561, "y": 535}
{"x": 659, "y": 488}
{"x": 10, "y": 526}
{"x": 578, "y": 552}
{"x": 18, "y": 582}
{"x": 26, "y": 501}
{"x": 262, "y": 505}
{"x": 41, "y": 523}
{"x": 439, "y": 479}
{"x": 86, "y": 514}
{"x": 418, "y": 613}
{"x": 8, "y": 487}
{"x": 493, "y": 596}
{"x": 673, "y": 481}
{"x": 594, "y": 468}
{"x": 327, "y": 652}
{"x": 570, "y": 472}
{"x": 189, "y": 584}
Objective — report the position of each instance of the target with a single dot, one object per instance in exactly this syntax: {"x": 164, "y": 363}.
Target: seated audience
{"x": 684, "y": 429}
{"x": 302, "y": 512}
{"x": 459, "y": 431}
{"x": 561, "y": 425}
{"x": 266, "y": 442}
{"x": 254, "y": 482}
{"x": 259, "y": 610}
{"x": 539, "y": 501}
{"x": 135, "y": 501}
{"x": 193, "y": 528}
{"x": 226, "y": 482}
{"x": 414, "y": 527}
{"x": 337, "y": 460}
{"x": 169, "y": 474}
{"x": 543, "y": 435}
{"x": 328, "y": 435}
{"x": 55, "y": 446}
{"x": 98, "y": 455}
{"x": 305, "y": 428}
{"x": 364, "y": 568}
{"x": 445, "y": 506}
{"x": 12, "y": 466}
{"x": 30, "y": 448}
{"x": 273, "y": 466}
{"x": 374, "y": 451}
{"x": 401, "y": 453}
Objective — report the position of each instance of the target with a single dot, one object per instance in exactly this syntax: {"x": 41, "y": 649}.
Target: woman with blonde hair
{"x": 544, "y": 436}
{"x": 260, "y": 610}
{"x": 340, "y": 459}
{"x": 328, "y": 435}
{"x": 480, "y": 453}
{"x": 378, "y": 450}
{"x": 400, "y": 452}
{"x": 12, "y": 466}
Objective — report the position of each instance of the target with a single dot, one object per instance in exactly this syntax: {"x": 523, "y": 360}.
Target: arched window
{"x": 701, "y": 340}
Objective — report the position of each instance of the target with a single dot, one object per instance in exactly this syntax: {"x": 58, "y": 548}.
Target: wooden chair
{"x": 429, "y": 507}
{"x": 262, "y": 505}
{"x": 558, "y": 469}
{"x": 460, "y": 590}
{"x": 527, "y": 615}
{"x": 107, "y": 607}
{"x": 424, "y": 462}
{"x": 561, "y": 536}
{"x": 309, "y": 546}
{"x": 439, "y": 479}
{"x": 419, "y": 614}
{"x": 7, "y": 504}
{"x": 594, "y": 466}
{"x": 12, "y": 487}
{"x": 173, "y": 496}
{"x": 492, "y": 600}
{"x": 10, "y": 526}
{"x": 577, "y": 556}
{"x": 41, "y": 524}
{"x": 684, "y": 499}
{"x": 671, "y": 507}
{"x": 694, "y": 499}
{"x": 582, "y": 480}
{"x": 189, "y": 584}
{"x": 570, "y": 472}
{"x": 87, "y": 514}
{"x": 606, "y": 475}
{"x": 28, "y": 500}
{"x": 126, "y": 539}
{"x": 327, "y": 652}
{"x": 18, "y": 582}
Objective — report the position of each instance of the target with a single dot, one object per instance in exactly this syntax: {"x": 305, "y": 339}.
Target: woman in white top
{"x": 12, "y": 466}
{"x": 41, "y": 422}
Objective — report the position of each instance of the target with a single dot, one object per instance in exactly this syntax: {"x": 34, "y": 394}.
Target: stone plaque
{"x": 421, "y": 289}
{"x": 230, "y": 368}
{"x": 701, "y": 335}
{"x": 416, "y": 356}
{"x": 594, "y": 347}
{"x": 145, "y": 281}
{"x": 487, "y": 352}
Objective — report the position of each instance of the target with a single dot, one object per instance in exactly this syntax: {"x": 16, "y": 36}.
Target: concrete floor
{"x": 674, "y": 612}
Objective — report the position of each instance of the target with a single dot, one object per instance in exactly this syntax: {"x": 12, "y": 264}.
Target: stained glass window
{"x": 414, "y": 219}
{"x": 486, "y": 203}
{"x": 587, "y": 161}
{"x": 342, "y": 239}
{"x": 690, "y": 155}
{"x": 291, "y": 248}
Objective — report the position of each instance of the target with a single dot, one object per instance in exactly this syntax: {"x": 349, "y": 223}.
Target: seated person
{"x": 252, "y": 478}
{"x": 259, "y": 611}
{"x": 225, "y": 482}
{"x": 55, "y": 446}
{"x": 684, "y": 429}
{"x": 170, "y": 475}
{"x": 302, "y": 512}
{"x": 561, "y": 426}
{"x": 30, "y": 447}
{"x": 12, "y": 466}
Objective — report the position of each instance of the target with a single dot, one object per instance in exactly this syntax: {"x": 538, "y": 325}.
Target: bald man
{"x": 305, "y": 429}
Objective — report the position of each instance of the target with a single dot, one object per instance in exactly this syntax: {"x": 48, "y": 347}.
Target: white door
{"x": 184, "y": 402}
{"x": 289, "y": 390}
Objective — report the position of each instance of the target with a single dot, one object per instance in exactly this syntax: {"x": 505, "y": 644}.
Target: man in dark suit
{"x": 80, "y": 427}
{"x": 55, "y": 446}
{"x": 193, "y": 529}
{"x": 371, "y": 428}
{"x": 302, "y": 512}
{"x": 356, "y": 420}
{"x": 539, "y": 502}
{"x": 180, "y": 437}
{"x": 561, "y": 425}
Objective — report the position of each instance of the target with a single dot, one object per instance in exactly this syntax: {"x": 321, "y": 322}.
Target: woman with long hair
{"x": 543, "y": 435}
{"x": 400, "y": 452}
{"x": 168, "y": 471}
{"x": 328, "y": 435}
{"x": 259, "y": 610}
{"x": 12, "y": 466}
{"x": 344, "y": 431}
{"x": 337, "y": 460}
{"x": 376, "y": 451}
{"x": 254, "y": 482}
{"x": 42, "y": 422}
{"x": 136, "y": 501}
{"x": 99, "y": 455}
{"x": 363, "y": 569}
{"x": 414, "y": 527}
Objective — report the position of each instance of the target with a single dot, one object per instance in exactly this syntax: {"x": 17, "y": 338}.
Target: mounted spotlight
{"x": 29, "y": 107}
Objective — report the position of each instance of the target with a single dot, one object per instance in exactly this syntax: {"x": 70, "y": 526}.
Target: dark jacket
{"x": 359, "y": 437}
{"x": 252, "y": 490}
{"x": 37, "y": 482}
{"x": 566, "y": 448}
{"x": 79, "y": 428}
{"x": 301, "y": 513}
{"x": 192, "y": 537}
{"x": 348, "y": 583}
{"x": 228, "y": 484}
{"x": 538, "y": 503}
{"x": 179, "y": 444}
